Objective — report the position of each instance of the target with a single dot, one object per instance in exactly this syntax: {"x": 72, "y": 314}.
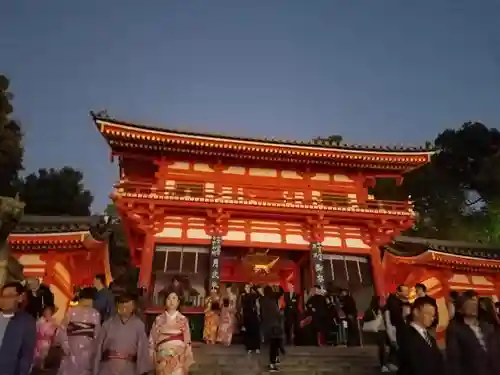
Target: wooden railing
{"x": 270, "y": 194}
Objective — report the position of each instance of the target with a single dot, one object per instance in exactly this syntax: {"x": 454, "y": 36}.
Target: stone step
{"x": 301, "y": 371}
{"x": 217, "y": 360}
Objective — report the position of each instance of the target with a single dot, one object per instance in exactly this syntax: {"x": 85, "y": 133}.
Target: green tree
{"x": 452, "y": 194}
{"x": 55, "y": 192}
{"x": 119, "y": 252}
{"x": 11, "y": 149}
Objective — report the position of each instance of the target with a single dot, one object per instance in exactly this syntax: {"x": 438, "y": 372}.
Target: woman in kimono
{"x": 170, "y": 340}
{"x": 212, "y": 317}
{"x": 225, "y": 332}
{"x": 46, "y": 327}
{"x": 76, "y": 336}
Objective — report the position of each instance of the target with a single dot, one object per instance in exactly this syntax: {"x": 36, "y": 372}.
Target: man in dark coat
{"x": 17, "y": 332}
{"x": 317, "y": 307}
{"x": 104, "y": 300}
{"x": 291, "y": 314}
{"x": 348, "y": 305}
{"x": 472, "y": 346}
{"x": 395, "y": 322}
{"x": 272, "y": 327}
{"x": 38, "y": 296}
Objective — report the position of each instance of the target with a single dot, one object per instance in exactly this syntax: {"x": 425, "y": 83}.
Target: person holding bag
{"x": 373, "y": 325}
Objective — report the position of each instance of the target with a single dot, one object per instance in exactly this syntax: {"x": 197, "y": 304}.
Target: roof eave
{"x": 101, "y": 123}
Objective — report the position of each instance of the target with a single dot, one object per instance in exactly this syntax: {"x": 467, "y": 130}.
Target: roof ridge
{"x": 316, "y": 142}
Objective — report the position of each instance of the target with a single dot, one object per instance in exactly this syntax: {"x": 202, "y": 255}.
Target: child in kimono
{"x": 46, "y": 328}
{"x": 170, "y": 340}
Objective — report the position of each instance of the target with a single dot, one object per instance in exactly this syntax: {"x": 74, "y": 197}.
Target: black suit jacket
{"x": 291, "y": 303}
{"x": 417, "y": 357}
{"x": 465, "y": 355}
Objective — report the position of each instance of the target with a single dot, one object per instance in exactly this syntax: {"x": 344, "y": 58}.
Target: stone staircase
{"x": 218, "y": 360}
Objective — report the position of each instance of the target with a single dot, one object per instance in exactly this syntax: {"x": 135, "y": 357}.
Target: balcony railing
{"x": 260, "y": 195}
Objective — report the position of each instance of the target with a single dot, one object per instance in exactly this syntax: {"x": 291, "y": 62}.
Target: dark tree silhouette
{"x": 452, "y": 193}
{"x": 55, "y": 192}
{"x": 11, "y": 149}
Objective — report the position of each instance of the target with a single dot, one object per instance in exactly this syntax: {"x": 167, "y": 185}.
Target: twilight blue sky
{"x": 374, "y": 71}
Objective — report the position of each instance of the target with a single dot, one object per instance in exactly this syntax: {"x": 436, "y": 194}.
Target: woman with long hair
{"x": 170, "y": 340}
{"x": 487, "y": 312}
{"x": 77, "y": 333}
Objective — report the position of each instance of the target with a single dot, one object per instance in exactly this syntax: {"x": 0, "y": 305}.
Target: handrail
{"x": 270, "y": 194}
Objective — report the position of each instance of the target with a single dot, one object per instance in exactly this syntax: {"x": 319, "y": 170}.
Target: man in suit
{"x": 421, "y": 291}
{"x": 291, "y": 313}
{"x": 418, "y": 351}
{"x": 471, "y": 346}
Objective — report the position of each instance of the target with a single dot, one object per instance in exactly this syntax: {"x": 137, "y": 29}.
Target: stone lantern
{"x": 11, "y": 211}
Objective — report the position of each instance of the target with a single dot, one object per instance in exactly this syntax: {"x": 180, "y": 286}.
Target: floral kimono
{"x": 76, "y": 335}
{"x": 226, "y": 327}
{"x": 212, "y": 320}
{"x": 170, "y": 344}
{"x": 45, "y": 336}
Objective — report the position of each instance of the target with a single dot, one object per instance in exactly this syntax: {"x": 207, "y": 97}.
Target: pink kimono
{"x": 226, "y": 327}
{"x": 170, "y": 344}
{"x": 45, "y": 336}
{"x": 78, "y": 331}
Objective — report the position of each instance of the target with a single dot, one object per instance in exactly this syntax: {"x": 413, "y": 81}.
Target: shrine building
{"x": 220, "y": 209}
{"x": 442, "y": 266}
{"x": 61, "y": 252}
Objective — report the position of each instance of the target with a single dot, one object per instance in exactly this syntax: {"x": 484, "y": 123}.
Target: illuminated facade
{"x": 226, "y": 209}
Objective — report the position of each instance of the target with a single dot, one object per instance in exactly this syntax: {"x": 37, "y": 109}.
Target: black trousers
{"x": 352, "y": 332}
{"x": 291, "y": 328}
{"x": 320, "y": 328}
{"x": 251, "y": 338}
{"x": 274, "y": 349}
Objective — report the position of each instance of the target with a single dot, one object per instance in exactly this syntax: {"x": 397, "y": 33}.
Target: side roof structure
{"x": 124, "y": 136}
{"x": 40, "y": 233}
{"x": 440, "y": 253}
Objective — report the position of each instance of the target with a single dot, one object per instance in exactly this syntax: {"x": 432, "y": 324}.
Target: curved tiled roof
{"x": 318, "y": 142}
{"x": 34, "y": 224}
{"x": 413, "y": 246}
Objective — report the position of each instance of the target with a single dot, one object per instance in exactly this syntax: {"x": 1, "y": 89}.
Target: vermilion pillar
{"x": 378, "y": 273}
{"x": 147, "y": 254}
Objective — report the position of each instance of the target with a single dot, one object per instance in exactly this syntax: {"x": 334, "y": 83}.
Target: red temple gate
{"x": 186, "y": 198}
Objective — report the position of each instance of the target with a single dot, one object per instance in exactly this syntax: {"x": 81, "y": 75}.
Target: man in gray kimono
{"x": 122, "y": 344}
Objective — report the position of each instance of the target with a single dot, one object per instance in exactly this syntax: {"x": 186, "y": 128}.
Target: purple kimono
{"x": 122, "y": 348}
{"x": 77, "y": 335}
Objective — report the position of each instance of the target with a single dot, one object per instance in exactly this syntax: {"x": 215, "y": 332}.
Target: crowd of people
{"x": 100, "y": 335}
{"x": 406, "y": 334}
{"x": 269, "y": 314}
{"x": 103, "y": 334}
